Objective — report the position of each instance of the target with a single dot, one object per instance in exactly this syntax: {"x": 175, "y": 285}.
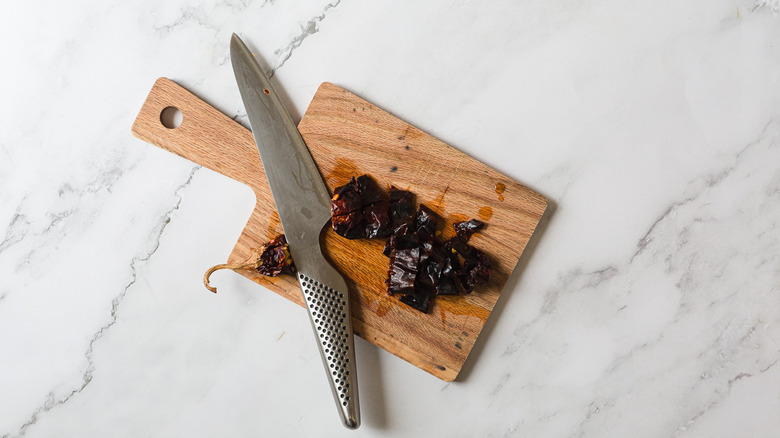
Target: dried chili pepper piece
{"x": 459, "y": 246}
{"x": 476, "y": 266}
{"x": 271, "y": 259}
{"x": 377, "y": 222}
{"x": 400, "y": 240}
{"x": 275, "y": 260}
{"x": 358, "y": 210}
{"x": 425, "y": 223}
{"x": 369, "y": 192}
{"x": 349, "y": 225}
{"x": 346, "y": 200}
{"x": 402, "y": 212}
{"x": 402, "y": 273}
{"x": 420, "y": 300}
{"x": 465, "y": 229}
{"x": 475, "y": 271}
{"x": 438, "y": 271}
{"x": 401, "y": 208}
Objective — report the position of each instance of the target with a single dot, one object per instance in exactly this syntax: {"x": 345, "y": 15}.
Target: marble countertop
{"x": 647, "y": 304}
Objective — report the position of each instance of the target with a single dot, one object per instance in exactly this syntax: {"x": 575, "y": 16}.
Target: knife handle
{"x": 327, "y": 300}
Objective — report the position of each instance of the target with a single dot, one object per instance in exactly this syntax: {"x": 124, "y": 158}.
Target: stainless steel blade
{"x": 303, "y": 203}
{"x": 301, "y": 196}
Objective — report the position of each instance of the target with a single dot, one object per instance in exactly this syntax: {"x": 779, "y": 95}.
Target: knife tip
{"x": 237, "y": 45}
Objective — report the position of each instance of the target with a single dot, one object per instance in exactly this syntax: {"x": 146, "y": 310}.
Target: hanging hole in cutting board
{"x": 171, "y": 117}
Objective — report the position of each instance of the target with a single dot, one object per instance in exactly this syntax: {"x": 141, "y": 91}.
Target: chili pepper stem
{"x": 250, "y": 263}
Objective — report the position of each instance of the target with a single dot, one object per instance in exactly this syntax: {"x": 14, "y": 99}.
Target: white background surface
{"x": 648, "y": 304}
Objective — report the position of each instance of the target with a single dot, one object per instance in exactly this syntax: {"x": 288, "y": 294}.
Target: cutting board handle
{"x": 205, "y": 136}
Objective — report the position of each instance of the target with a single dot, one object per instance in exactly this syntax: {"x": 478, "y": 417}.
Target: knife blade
{"x": 303, "y": 203}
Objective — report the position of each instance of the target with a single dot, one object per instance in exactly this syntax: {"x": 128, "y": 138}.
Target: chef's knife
{"x": 303, "y": 203}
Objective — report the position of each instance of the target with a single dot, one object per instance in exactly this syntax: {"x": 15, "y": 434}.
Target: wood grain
{"x": 348, "y": 136}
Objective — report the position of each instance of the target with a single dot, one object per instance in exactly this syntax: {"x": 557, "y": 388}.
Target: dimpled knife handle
{"x": 327, "y": 299}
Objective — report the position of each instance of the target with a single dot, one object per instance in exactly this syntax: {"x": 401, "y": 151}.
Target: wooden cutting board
{"x": 348, "y": 136}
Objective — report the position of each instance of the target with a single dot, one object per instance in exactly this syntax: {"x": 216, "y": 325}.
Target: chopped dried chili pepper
{"x": 425, "y": 223}
{"x": 465, "y": 229}
{"x": 401, "y": 208}
{"x": 349, "y": 225}
{"x": 271, "y": 259}
{"x": 358, "y": 210}
{"x": 377, "y": 222}
{"x": 275, "y": 259}
{"x": 403, "y": 271}
{"x": 438, "y": 270}
{"x": 475, "y": 269}
{"x": 421, "y": 266}
{"x": 419, "y": 300}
